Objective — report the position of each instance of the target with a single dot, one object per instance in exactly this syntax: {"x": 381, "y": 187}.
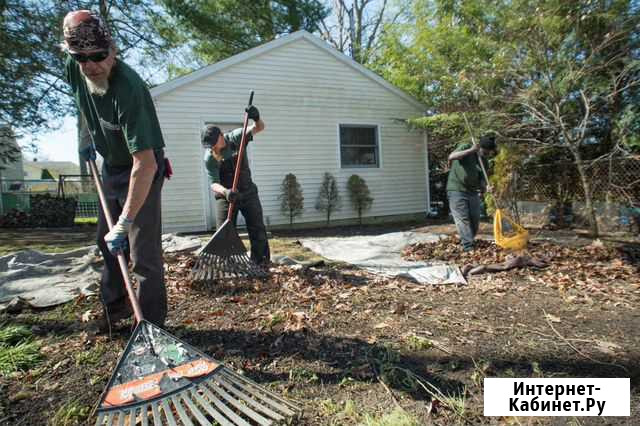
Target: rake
{"x": 507, "y": 233}
{"x": 159, "y": 379}
{"x": 225, "y": 255}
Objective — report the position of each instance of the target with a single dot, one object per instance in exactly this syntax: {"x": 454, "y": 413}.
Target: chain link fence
{"x": 612, "y": 179}
{"x": 18, "y": 194}
{"x": 557, "y": 189}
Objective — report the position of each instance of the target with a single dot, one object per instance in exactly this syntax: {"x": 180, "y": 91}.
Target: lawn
{"x": 46, "y": 240}
{"x": 350, "y": 347}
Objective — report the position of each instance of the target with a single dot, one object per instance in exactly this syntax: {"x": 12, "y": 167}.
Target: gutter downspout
{"x": 427, "y": 174}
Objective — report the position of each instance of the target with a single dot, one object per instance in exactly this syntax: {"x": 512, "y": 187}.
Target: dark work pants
{"x": 251, "y": 209}
{"x": 465, "y": 209}
{"x": 145, "y": 243}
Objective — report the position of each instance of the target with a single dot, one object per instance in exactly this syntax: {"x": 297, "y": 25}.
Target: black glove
{"x": 253, "y": 113}
{"x": 230, "y": 195}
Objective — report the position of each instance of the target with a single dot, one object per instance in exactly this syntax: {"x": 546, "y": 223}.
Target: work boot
{"x": 112, "y": 317}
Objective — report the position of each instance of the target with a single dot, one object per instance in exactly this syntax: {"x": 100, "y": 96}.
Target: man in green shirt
{"x": 464, "y": 183}
{"x": 123, "y": 126}
{"x": 220, "y": 157}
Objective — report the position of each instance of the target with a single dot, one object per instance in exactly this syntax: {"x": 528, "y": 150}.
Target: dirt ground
{"x": 350, "y": 347}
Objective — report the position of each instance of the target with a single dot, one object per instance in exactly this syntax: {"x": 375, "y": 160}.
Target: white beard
{"x": 97, "y": 88}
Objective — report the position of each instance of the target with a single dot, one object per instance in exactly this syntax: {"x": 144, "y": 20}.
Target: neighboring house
{"x": 34, "y": 169}
{"x": 50, "y": 170}
{"x": 323, "y": 112}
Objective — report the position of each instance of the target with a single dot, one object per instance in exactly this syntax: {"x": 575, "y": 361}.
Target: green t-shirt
{"x": 222, "y": 172}
{"x": 465, "y": 174}
{"x": 121, "y": 122}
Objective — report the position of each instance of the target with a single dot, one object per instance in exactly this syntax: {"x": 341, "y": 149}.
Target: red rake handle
{"x": 243, "y": 141}
{"x": 121, "y": 259}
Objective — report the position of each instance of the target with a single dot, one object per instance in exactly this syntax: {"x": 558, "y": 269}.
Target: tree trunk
{"x": 586, "y": 187}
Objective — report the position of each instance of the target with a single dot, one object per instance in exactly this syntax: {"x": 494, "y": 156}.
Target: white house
{"x": 323, "y": 111}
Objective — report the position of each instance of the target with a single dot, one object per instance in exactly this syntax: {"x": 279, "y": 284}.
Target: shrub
{"x": 328, "y": 199}
{"x": 359, "y": 194}
{"x": 291, "y": 199}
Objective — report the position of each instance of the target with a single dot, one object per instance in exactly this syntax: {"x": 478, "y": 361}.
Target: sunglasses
{"x": 93, "y": 57}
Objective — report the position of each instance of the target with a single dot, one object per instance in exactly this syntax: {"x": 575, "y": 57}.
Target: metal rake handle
{"x": 484, "y": 171}
{"x": 243, "y": 141}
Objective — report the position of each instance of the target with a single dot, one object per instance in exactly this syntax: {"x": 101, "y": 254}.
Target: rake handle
{"x": 484, "y": 170}
{"x": 122, "y": 261}
{"x": 243, "y": 141}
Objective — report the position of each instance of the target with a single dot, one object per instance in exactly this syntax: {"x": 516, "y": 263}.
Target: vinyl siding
{"x": 303, "y": 93}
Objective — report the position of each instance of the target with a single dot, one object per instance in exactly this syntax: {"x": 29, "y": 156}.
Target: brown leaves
{"x": 594, "y": 269}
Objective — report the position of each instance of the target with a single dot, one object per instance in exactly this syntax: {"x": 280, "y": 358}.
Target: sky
{"x": 58, "y": 145}
{"x": 61, "y": 144}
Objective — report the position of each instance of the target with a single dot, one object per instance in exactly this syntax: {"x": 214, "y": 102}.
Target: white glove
{"x": 116, "y": 239}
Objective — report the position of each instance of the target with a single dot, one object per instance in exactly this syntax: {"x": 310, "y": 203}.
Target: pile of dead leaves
{"x": 449, "y": 249}
{"x": 595, "y": 264}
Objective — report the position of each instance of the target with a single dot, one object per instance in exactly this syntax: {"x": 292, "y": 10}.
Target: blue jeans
{"x": 465, "y": 209}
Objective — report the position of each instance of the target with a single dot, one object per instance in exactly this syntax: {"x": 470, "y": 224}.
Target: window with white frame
{"x": 359, "y": 146}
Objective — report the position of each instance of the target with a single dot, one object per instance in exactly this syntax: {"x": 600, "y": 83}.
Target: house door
{"x": 211, "y": 211}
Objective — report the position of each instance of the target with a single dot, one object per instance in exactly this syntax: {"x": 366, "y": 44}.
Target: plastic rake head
{"x": 162, "y": 380}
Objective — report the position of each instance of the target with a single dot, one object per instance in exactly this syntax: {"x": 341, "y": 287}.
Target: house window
{"x": 359, "y": 146}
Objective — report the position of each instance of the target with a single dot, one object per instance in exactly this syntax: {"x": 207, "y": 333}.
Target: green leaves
{"x": 217, "y": 29}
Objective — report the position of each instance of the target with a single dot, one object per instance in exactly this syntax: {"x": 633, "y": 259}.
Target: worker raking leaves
{"x": 123, "y": 127}
{"x": 230, "y": 180}
{"x": 464, "y": 184}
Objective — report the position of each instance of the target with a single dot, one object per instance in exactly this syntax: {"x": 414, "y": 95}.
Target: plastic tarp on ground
{"x": 41, "y": 280}
{"x": 382, "y": 254}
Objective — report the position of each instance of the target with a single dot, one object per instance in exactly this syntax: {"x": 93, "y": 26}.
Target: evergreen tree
{"x": 359, "y": 195}
{"x": 217, "y": 29}
{"x": 291, "y": 199}
{"x": 328, "y": 199}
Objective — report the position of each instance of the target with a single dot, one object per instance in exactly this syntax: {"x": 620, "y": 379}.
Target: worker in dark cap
{"x": 220, "y": 158}
{"x": 464, "y": 184}
{"x": 124, "y": 129}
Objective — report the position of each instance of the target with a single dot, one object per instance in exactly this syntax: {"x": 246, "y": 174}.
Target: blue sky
{"x": 58, "y": 145}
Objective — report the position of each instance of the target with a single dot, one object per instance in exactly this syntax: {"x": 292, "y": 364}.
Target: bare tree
{"x": 561, "y": 95}
{"x": 356, "y": 28}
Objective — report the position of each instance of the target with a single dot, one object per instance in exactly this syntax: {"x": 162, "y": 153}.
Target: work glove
{"x": 88, "y": 153}
{"x": 230, "y": 195}
{"x": 253, "y": 113}
{"x": 116, "y": 239}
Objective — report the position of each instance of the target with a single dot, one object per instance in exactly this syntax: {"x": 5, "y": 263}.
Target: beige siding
{"x": 303, "y": 93}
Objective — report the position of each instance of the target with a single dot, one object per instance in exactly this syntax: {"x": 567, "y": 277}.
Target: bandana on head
{"x": 90, "y": 34}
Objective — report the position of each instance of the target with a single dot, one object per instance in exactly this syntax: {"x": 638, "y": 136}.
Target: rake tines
{"x": 161, "y": 380}
{"x": 225, "y": 256}
{"x": 209, "y": 268}
{"x": 226, "y": 399}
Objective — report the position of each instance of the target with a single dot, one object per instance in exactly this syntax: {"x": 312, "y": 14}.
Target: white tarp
{"x": 382, "y": 254}
{"x": 42, "y": 279}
